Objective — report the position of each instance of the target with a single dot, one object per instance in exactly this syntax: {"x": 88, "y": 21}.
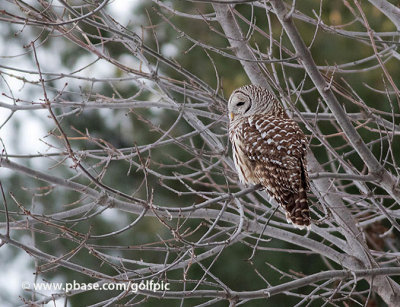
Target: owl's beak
{"x": 231, "y": 115}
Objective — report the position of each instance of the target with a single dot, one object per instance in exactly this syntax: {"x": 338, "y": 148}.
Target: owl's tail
{"x": 296, "y": 204}
{"x": 297, "y": 211}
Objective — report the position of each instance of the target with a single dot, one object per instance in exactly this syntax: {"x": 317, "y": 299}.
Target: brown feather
{"x": 270, "y": 149}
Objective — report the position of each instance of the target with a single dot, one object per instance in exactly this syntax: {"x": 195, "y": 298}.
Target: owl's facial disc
{"x": 239, "y": 104}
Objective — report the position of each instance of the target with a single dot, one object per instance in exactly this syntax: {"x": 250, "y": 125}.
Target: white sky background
{"x": 32, "y": 127}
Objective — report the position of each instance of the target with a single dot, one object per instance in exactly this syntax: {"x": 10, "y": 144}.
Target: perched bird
{"x": 269, "y": 149}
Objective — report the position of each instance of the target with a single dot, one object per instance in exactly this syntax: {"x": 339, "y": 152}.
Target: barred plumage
{"x": 269, "y": 148}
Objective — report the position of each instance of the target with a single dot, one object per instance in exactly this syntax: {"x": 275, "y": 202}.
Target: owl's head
{"x": 250, "y": 100}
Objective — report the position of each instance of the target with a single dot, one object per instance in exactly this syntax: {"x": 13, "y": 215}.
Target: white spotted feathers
{"x": 269, "y": 148}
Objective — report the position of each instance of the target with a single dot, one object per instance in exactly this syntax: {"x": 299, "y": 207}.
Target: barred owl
{"x": 269, "y": 149}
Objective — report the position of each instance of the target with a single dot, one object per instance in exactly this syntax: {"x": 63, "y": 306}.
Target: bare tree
{"x": 348, "y": 107}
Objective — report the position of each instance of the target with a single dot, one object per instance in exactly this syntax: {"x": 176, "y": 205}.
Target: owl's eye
{"x": 240, "y": 103}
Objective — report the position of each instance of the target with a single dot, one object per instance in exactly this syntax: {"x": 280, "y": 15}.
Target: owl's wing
{"x": 277, "y": 149}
